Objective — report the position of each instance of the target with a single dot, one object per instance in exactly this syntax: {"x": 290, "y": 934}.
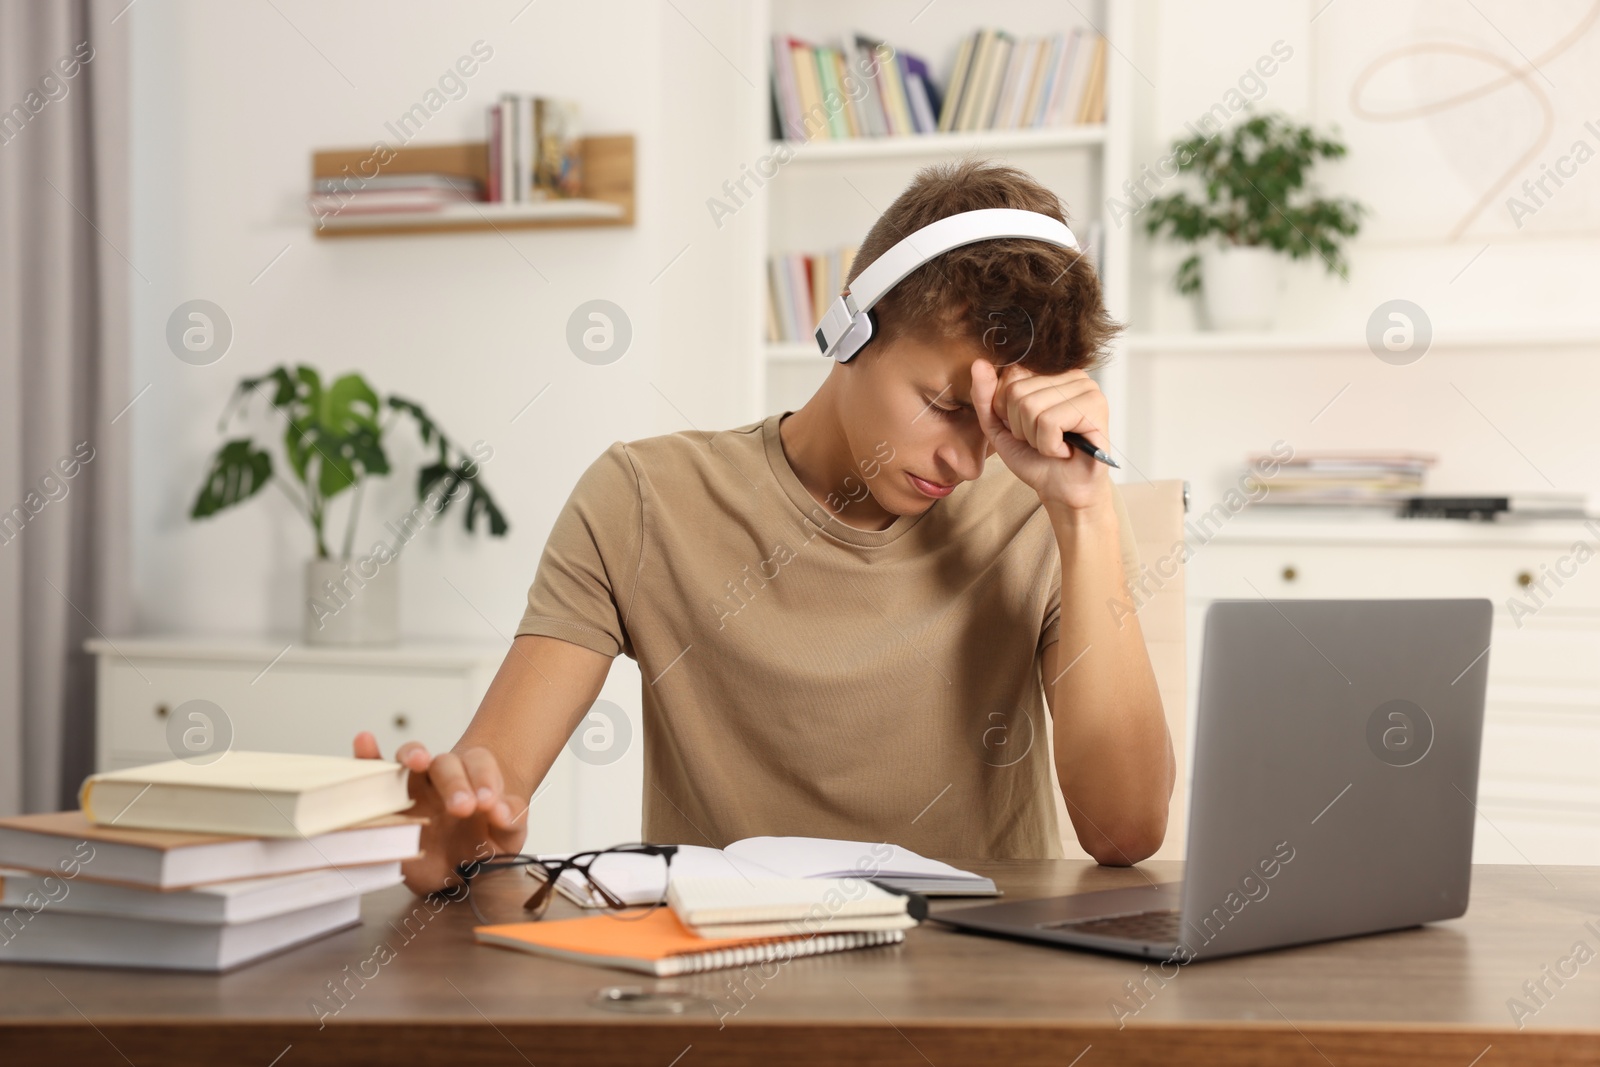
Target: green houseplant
{"x": 332, "y": 443}
{"x": 1257, "y": 206}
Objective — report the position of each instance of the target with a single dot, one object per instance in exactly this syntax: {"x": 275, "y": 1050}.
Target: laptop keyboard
{"x": 1162, "y": 926}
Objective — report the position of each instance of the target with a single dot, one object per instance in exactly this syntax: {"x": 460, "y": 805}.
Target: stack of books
{"x": 1341, "y": 479}
{"x": 533, "y": 149}
{"x": 864, "y": 87}
{"x": 799, "y": 288}
{"x": 716, "y": 923}
{"x": 203, "y": 867}
{"x": 387, "y": 194}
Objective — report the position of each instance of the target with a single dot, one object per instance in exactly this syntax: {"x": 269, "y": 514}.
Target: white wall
{"x": 1420, "y": 176}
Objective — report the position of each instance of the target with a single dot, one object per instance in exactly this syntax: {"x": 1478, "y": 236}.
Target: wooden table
{"x": 1431, "y": 995}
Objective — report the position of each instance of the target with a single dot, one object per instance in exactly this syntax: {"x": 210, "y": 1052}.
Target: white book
{"x": 983, "y": 51}
{"x": 1003, "y": 48}
{"x": 1078, "y": 84}
{"x": 510, "y": 148}
{"x": 960, "y": 78}
{"x": 783, "y": 87}
{"x": 1034, "y": 113}
{"x": 1018, "y": 76}
{"x": 785, "y": 907}
{"x": 67, "y": 845}
{"x": 57, "y": 937}
{"x": 226, "y": 902}
{"x": 857, "y": 63}
{"x": 270, "y": 794}
{"x": 1056, "y": 109}
{"x": 640, "y": 879}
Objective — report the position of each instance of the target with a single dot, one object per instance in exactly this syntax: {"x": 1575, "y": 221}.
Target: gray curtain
{"x": 64, "y": 381}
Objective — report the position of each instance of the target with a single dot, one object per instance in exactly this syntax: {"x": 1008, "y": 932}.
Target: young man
{"x": 849, "y": 617}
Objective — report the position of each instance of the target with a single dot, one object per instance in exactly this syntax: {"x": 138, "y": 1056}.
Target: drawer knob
{"x": 162, "y": 711}
{"x": 1290, "y": 574}
{"x": 401, "y": 721}
{"x": 1524, "y": 578}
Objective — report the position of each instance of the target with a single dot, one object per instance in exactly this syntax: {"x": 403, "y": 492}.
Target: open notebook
{"x": 639, "y": 879}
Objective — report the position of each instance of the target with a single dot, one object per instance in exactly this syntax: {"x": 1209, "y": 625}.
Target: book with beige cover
{"x": 266, "y": 794}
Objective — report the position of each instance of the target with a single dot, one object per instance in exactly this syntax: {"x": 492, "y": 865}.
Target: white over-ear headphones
{"x": 849, "y": 323}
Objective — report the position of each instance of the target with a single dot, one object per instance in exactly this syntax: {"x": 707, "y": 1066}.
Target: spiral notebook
{"x": 658, "y": 944}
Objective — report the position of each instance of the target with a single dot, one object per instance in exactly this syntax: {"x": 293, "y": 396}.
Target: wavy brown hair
{"x": 1021, "y": 301}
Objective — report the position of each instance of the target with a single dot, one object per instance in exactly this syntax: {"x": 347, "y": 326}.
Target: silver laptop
{"x": 1334, "y": 786}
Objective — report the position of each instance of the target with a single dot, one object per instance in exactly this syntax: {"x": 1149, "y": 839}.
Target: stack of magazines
{"x": 1340, "y": 479}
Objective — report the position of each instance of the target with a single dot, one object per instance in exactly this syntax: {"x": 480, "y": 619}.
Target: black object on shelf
{"x": 1475, "y": 508}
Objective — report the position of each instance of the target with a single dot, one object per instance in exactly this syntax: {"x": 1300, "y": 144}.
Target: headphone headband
{"x": 849, "y": 324}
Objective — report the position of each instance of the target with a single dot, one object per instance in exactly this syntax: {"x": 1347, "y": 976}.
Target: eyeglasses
{"x": 652, "y": 868}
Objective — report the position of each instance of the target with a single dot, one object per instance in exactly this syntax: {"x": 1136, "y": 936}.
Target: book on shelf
{"x": 387, "y": 201}
{"x": 496, "y": 185}
{"x": 386, "y": 194}
{"x": 799, "y": 288}
{"x": 659, "y": 944}
{"x": 1338, "y": 479}
{"x": 508, "y": 107}
{"x": 865, "y": 87}
{"x": 457, "y": 185}
{"x": 533, "y": 149}
{"x": 556, "y": 169}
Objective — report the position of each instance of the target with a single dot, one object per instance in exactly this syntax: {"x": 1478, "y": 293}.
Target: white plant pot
{"x": 1240, "y": 287}
{"x": 354, "y": 603}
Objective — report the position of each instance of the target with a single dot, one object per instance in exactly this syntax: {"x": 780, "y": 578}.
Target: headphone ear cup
{"x": 869, "y": 328}
{"x": 862, "y": 330}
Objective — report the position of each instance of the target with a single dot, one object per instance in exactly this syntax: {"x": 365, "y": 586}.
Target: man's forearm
{"x": 1112, "y": 749}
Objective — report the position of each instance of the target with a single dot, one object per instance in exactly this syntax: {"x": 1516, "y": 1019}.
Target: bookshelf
{"x": 608, "y": 190}
{"x": 830, "y": 191}
{"x": 937, "y": 145}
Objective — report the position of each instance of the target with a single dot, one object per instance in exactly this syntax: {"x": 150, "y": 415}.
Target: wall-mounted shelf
{"x": 943, "y": 144}
{"x": 608, "y": 190}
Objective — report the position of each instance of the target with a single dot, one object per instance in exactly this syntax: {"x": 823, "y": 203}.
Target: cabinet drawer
{"x": 290, "y": 708}
{"x": 1276, "y": 569}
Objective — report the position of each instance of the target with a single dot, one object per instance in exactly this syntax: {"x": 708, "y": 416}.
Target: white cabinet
{"x": 279, "y": 696}
{"x": 1539, "y": 782}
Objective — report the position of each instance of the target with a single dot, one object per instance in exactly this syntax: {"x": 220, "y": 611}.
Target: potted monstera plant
{"x": 1257, "y": 207}
{"x": 332, "y": 444}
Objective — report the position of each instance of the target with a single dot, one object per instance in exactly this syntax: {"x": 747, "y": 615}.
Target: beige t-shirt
{"x": 804, "y": 677}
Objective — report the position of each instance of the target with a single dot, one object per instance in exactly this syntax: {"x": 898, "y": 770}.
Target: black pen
{"x": 1077, "y": 440}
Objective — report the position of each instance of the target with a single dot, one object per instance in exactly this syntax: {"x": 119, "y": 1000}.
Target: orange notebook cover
{"x": 660, "y": 945}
